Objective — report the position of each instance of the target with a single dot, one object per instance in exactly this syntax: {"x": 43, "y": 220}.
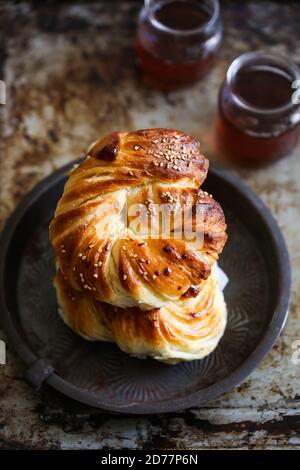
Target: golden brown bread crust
{"x": 96, "y": 250}
{"x": 170, "y": 334}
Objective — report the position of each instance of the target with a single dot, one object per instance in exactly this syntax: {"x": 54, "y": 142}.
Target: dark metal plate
{"x": 99, "y": 374}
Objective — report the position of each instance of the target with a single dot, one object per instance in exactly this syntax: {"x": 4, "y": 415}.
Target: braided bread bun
{"x": 100, "y": 252}
{"x": 158, "y": 295}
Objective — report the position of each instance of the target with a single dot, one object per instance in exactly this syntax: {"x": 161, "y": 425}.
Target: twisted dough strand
{"x": 169, "y": 334}
{"x": 97, "y": 250}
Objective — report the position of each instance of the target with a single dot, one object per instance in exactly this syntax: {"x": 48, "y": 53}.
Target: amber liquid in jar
{"x": 170, "y": 61}
{"x": 257, "y": 134}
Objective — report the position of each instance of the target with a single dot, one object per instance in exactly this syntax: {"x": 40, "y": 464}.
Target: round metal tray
{"x": 99, "y": 374}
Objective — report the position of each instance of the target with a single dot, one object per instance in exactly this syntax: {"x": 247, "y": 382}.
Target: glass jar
{"x": 178, "y": 41}
{"x": 257, "y": 121}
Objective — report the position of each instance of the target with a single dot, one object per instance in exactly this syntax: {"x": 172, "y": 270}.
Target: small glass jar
{"x": 258, "y": 122}
{"x": 178, "y": 41}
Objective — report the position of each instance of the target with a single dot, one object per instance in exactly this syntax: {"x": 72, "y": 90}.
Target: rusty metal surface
{"x": 70, "y": 78}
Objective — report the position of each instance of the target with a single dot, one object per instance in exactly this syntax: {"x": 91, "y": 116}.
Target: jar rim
{"x": 267, "y": 59}
{"x": 213, "y": 18}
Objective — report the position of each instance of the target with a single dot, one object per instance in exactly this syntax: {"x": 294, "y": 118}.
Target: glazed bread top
{"x": 101, "y": 249}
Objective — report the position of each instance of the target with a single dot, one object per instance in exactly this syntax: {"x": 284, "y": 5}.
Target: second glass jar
{"x": 258, "y": 120}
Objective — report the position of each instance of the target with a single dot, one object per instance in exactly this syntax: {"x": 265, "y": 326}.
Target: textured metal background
{"x": 70, "y": 77}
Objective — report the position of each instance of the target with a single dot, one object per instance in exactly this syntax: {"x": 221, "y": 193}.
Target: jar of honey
{"x": 258, "y": 119}
{"x": 177, "y": 41}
